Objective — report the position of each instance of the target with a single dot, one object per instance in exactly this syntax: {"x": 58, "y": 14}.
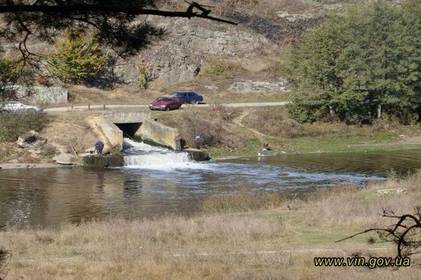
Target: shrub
{"x": 144, "y": 75}
{"x": 11, "y": 72}
{"x": 220, "y": 67}
{"x": 77, "y": 58}
{"x": 12, "y": 125}
{"x": 224, "y": 113}
{"x": 209, "y": 127}
{"x": 361, "y": 64}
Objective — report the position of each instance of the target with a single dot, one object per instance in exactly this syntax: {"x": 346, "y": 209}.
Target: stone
{"x": 39, "y": 95}
{"x": 291, "y": 17}
{"x": 249, "y": 86}
{"x": 180, "y": 57}
{"x": 197, "y": 155}
{"x": 103, "y": 161}
{"x": 30, "y": 139}
{"x": 65, "y": 159}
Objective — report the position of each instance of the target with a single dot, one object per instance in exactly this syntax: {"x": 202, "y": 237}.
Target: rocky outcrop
{"x": 180, "y": 54}
{"x": 258, "y": 86}
{"x": 157, "y": 133}
{"x": 39, "y": 95}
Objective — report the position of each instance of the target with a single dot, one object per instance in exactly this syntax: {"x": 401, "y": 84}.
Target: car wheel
{"x": 167, "y": 108}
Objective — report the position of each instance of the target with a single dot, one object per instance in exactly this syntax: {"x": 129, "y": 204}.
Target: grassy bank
{"x": 235, "y": 237}
{"x": 241, "y": 132}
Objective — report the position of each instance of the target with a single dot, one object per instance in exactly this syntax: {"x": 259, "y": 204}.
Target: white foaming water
{"x": 144, "y": 156}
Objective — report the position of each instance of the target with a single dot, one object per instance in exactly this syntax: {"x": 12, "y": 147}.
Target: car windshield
{"x": 185, "y": 93}
{"x": 165, "y": 99}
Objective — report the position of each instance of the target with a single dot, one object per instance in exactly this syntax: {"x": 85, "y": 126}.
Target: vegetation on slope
{"x": 360, "y": 65}
{"x": 77, "y": 58}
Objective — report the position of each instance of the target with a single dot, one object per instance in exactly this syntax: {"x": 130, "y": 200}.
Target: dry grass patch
{"x": 278, "y": 241}
{"x": 276, "y": 122}
{"x": 214, "y": 126}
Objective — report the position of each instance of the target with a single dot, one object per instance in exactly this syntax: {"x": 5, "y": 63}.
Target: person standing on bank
{"x": 99, "y": 147}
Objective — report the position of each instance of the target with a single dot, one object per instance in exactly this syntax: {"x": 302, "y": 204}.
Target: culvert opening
{"x": 129, "y": 129}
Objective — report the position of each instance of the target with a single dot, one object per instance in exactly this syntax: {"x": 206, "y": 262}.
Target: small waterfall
{"x": 144, "y": 156}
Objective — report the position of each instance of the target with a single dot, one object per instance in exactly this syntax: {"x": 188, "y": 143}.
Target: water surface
{"x": 157, "y": 182}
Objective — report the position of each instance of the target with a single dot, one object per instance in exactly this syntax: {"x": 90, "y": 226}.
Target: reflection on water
{"x": 48, "y": 197}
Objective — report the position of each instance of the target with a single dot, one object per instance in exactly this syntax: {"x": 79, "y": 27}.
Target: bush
{"x": 12, "y": 125}
{"x": 220, "y": 67}
{"x": 144, "y": 75}
{"x": 11, "y": 72}
{"x": 360, "y": 65}
{"x": 224, "y": 113}
{"x": 210, "y": 128}
{"x": 77, "y": 58}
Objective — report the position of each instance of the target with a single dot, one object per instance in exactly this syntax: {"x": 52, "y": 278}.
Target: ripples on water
{"x": 156, "y": 181}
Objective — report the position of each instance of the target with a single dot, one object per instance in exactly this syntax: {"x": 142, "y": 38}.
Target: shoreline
{"x": 368, "y": 149}
{"x": 8, "y": 166}
{"x": 229, "y": 236}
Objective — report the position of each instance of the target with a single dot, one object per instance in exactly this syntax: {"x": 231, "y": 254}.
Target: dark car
{"x": 165, "y": 104}
{"x": 188, "y": 97}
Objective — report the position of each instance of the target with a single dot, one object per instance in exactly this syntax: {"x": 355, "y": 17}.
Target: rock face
{"x": 179, "y": 56}
{"x": 30, "y": 139}
{"x": 39, "y": 95}
{"x": 259, "y": 86}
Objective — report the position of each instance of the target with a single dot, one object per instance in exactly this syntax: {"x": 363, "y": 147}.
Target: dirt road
{"x": 131, "y": 107}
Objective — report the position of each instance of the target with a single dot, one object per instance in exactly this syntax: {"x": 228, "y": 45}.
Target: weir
{"x": 115, "y": 129}
{"x": 112, "y": 127}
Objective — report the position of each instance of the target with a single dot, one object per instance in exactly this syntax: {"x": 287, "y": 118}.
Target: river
{"x": 157, "y": 182}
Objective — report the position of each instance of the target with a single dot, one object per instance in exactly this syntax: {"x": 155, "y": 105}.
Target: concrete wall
{"x": 160, "y": 134}
{"x": 108, "y": 133}
{"x": 39, "y": 95}
{"x": 126, "y": 117}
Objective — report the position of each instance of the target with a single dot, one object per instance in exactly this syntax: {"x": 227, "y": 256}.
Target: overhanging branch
{"x": 83, "y": 9}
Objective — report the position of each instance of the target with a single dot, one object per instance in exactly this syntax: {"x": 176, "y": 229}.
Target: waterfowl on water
{"x": 265, "y": 150}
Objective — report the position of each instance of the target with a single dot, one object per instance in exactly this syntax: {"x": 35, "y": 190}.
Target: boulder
{"x": 65, "y": 159}
{"x": 197, "y": 155}
{"x": 103, "y": 161}
{"x": 30, "y": 139}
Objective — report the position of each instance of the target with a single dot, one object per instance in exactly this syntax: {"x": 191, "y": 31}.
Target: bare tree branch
{"x": 400, "y": 232}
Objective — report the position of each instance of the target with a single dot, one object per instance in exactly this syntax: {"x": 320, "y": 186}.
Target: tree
{"x": 360, "y": 65}
{"x": 113, "y": 20}
{"x": 77, "y": 58}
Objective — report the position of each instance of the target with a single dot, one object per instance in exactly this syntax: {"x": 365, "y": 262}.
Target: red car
{"x": 165, "y": 104}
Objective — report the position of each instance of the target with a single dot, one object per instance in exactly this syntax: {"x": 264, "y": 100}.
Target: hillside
{"x": 207, "y": 56}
